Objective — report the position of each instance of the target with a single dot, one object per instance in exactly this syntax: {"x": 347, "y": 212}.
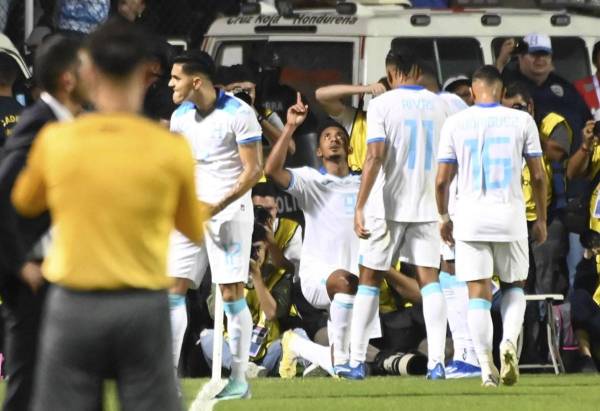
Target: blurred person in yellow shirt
{"x": 116, "y": 185}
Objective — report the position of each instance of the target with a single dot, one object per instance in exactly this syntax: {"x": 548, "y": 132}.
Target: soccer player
{"x": 226, "y": 142}
{"x": 464, "y": 363}
{"x": 106, "y": 313}
{"x": 395, "y": 214}
{"x": 484, "y": 147}
{"x": 330, "y": 250}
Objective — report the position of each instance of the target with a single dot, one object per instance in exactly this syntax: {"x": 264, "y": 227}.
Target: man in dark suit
{"x": 21, "y": 285}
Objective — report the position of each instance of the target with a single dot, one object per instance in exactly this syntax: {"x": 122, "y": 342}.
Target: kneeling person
{"x": 330, "y": 250}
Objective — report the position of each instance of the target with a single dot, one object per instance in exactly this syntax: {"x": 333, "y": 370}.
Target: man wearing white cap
{"x": 461, "y": 86}
{"x": 551, "y": 93}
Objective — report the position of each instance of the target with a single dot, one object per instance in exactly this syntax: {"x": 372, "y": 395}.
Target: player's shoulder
{"x": 183, "y": 109}
{"x": 229, "y": 104}
{"x": 306, "y": 172}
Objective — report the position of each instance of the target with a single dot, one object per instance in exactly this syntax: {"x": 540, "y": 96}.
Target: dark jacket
{"x": 18, "y": 235}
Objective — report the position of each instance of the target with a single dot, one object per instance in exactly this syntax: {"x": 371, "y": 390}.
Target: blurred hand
{"x": 359, "y": 225}
{"x": 297, "y": 113}
{"x": 256, "y": 264}
{"x": 539, "y": 232}
{"x": 376, "y": 89}
{"x": 31, "y": 275}
{"x": 587, "y": 135}
{"x": 446, "y": 232}
{"x": 505, "y": 53}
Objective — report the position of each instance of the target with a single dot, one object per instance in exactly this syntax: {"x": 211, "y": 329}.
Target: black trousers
{"x": 21, "y": 310}
{"x": 87, "y": 337}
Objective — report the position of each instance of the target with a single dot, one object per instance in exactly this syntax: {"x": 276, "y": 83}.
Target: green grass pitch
{"x": 533, "y": 392}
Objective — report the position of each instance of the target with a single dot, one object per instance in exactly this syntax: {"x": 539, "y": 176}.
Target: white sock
{"x": 513, "y": 312}
{"x": 456, "y": 294}
{"x": 340, "y": 313}
{"x": 313, "y": 352}
{"x": 366, "y": 304}
{"x": 434, "y": 312}
{"x": 239, "y": 328}
{"x": 482, "y": 331}
{"x": 179, "y": 321}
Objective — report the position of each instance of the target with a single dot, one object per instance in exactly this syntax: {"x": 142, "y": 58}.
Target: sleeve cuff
{"x": 532, "y": 155}
{"x": 250, "y": 140}
{"x": 292, "y": 181}
{"x": 375, "y": 140}
{"x": 447, "y": 160}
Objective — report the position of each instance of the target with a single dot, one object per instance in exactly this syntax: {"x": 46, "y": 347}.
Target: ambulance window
{"x": 456, "y": 55}
{"x": 570, "y": 56}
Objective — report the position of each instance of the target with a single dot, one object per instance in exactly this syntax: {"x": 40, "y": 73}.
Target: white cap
{"x": 538, "y": 42}
{"x": 451, "y": 80}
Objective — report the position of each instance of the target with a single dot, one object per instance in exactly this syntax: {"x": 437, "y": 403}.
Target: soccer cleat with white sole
{"x": 287, "y": 364}
{"x": 509, "y": 363}
{"x": 460, "y": 369}
{"x": 491, "y": 378}
{"x": 234, "y": 390}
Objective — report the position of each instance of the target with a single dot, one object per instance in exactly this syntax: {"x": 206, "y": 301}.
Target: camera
{"x": 262, "y": 218}
{"x": 521, "y": 47}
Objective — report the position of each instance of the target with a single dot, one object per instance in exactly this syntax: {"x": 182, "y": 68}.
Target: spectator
{"x": 551, "y": 94}
{"x": 269, "y": 299}
{"x": 81, "y": 17}
{"x": 241, "y": 81}
{"x": 585, "y": 299}
{"x": 158, "y": 102}
{"x": 23, "y": 289}
{"x": 9, "y": 106}
{"x": 461, "y": 86}
{"x": 131, "y": 10}
{"x": 284, "y": 236}
{"x": 589, "y": 87}
{"x": 353, "y": 119}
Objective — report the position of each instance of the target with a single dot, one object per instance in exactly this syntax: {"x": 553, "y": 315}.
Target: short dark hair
{"x": 595, "y": 52}
{"x": 402, "y": 58}
{"x": 8, "y": 69}
{"x": 518, "y": 89}
{"x": 52, "y": 58}
{"x": 118, "y": 47}
{"x": 196, "y": 61}
{"x": 264, "y": 189}
{"x": 488, "y": 74}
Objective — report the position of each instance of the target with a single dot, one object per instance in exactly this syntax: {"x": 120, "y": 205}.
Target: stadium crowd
{"x": 363, "y": 282}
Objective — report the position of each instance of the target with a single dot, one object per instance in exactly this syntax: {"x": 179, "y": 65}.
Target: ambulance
{"x": 325, "y": 42}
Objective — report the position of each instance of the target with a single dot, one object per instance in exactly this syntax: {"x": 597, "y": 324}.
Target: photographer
{"x": 268, "y": 294}
{"x": 241, "y": 82}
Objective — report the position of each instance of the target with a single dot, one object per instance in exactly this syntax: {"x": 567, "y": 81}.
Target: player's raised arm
{"x": 274, "y": 167}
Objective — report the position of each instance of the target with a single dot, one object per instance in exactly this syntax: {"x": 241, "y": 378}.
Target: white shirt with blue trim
{"x": 488, "y": 143}
{"x": 214, "y": 140}
{"x": 328, "y": 204}
{"x": 408, "y": 120}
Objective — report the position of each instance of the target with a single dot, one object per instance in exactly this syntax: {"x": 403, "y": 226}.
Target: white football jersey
{"x": 328, "y": 204}
{"x": 455, "y": 104}
{"x": 408, "y": 119}
{"x": 214, "y": 140}
{"x": 488, "y": 143}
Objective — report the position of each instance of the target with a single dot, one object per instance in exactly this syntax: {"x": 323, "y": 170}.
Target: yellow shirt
{"x": 115, "y": 185}
{"x": 594, "y": 169}
{"x": 358, "y": 141}
{"x": 548, "y": 124}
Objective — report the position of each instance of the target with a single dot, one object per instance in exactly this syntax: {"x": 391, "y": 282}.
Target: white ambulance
{"x": 319, "y": 46}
